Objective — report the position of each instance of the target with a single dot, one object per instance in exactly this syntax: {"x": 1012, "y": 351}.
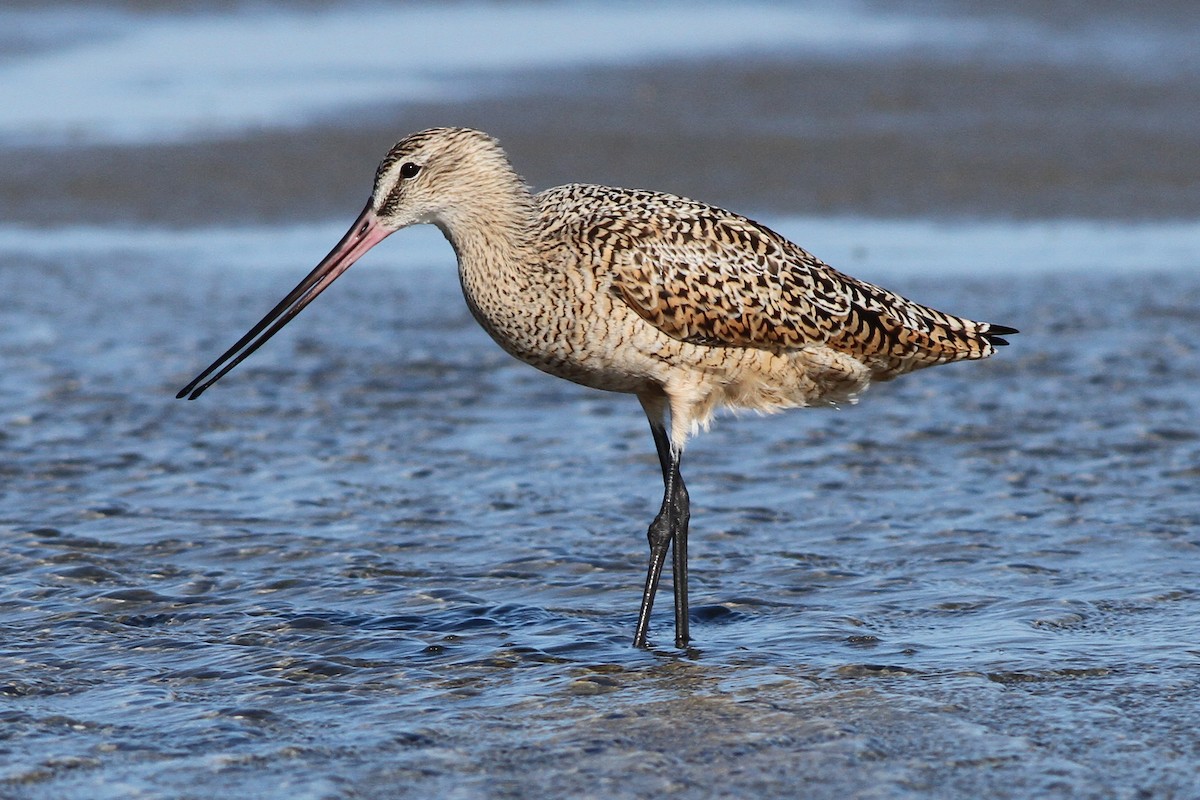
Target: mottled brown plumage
{"x": 689, "y": 307}
{"x": 707, "y": 276}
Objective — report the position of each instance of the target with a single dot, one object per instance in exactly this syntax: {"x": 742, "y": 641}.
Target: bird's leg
{"x": 669, "y": 530}
{"x": 680, "y": 515}
{"x": 659, "y": 535}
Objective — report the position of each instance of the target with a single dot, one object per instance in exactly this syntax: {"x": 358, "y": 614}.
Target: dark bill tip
{"x": 364, "y": 234}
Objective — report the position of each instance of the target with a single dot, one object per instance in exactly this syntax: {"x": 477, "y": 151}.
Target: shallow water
{"x": 384, "y": 556}
{"x": 382, "y": 559}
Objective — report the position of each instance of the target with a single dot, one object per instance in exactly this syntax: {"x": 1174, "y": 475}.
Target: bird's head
{"x": 437, "y": 176}
{"x": 434, "y": 175}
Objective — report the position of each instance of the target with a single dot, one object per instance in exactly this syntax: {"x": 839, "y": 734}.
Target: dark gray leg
{"x": 669, "y": 530}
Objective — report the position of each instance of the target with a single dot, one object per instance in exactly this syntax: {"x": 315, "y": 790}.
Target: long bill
{"x": 365, "y": 233}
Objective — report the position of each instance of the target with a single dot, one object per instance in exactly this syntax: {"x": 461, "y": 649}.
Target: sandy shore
{"x": 898, "y": 136}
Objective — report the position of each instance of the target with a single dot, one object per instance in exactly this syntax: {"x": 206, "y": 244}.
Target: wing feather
{"x": 710, "y": 277}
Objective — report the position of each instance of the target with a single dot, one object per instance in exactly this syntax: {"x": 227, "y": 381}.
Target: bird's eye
{"x": 408, "y": 169}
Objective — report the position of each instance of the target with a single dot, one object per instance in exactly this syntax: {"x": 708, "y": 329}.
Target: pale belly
{"x": 581, "y": 333}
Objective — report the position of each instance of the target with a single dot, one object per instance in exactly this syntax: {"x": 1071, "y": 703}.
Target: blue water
{"x": 410, "y": 564}
{"x": 383, "y": 559}
{"x": 118, "y": 75}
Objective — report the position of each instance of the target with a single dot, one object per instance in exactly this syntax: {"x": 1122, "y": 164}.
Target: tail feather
{"x": 995, "y": 334}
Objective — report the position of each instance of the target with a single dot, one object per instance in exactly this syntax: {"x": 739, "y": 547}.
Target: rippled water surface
{"x": 383, "y": 559}
{"x": 405, "y": 560}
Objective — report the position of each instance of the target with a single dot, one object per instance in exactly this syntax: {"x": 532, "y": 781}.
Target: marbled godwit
{"x": 689, "y": 307}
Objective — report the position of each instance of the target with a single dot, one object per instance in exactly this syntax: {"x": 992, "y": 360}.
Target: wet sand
{"x": 909, "y": 134}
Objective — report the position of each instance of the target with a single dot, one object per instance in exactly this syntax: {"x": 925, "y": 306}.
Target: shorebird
{"x": 687, "y": 306}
